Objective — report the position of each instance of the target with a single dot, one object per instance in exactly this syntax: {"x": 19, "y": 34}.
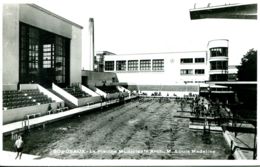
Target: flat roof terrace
{"x": 228, "y": 11}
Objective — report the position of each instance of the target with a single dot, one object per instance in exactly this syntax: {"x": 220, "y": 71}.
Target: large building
{"x": 39, "y": 47}
{"x": 170, "y": 68}
{"x": 41, "y": 56}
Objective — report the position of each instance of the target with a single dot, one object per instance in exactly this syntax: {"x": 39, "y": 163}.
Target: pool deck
{"x": 10, "y": 156}
{"x": 243, "y": 140}
{"x": 41, "y": 121}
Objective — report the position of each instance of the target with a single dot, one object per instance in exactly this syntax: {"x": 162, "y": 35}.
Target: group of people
{"x": 201, "y": 107}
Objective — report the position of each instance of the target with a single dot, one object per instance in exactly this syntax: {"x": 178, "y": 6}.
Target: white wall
{"x": 18, "y": 114}
{"x": 28, "y": 86}
{"x": 170, "y": 74}
{"x": 75, "y": 55}
{"x": 36, "y": 17}
{"x": 43, "y": 19}
{"x": 10, "y": 44}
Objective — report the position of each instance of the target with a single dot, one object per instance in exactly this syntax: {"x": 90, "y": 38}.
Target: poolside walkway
{"x": 243, "y": 140}
{"x": 18, "y": 126}
{"x": 10, "y": 156}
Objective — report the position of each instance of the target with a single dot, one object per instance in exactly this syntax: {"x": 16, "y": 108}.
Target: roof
{"x": 227, "y": 11}
{"x": 104, "y": 53}
{"x": 159, "y": 53}
{"x": 54, "y": 15}
{"x": 234, "y": 82}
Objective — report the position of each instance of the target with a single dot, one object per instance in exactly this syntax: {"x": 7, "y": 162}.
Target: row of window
{"x": 221, "y": 51}
{"x": 190, "y": 60}
{"x": 186, "y": 82}
{"x": 44, "y": 56}
{"x": 218, "y": 65}
{"x": 190, "y": 71}
{"x": 145, "y": 65}
{"x": 218, "y": 77}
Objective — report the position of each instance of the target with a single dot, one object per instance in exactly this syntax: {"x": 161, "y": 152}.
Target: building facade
{"x": 159, "y": 68}
{"x": 169, "y": 68}
{"x": 39, "y": 47}
{"x": 218, "y": 60}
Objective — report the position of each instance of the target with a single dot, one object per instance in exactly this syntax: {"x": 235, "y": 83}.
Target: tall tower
{"x": 218, "y": 60}
{"x": 92, "y": 43}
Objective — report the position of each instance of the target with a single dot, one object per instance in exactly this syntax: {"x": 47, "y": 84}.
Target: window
{"x": 199, "y": 71}
{"x": 120, "y": 65}
{"x": 219, "y": 65}
{"x": 132, "y": 65}
{"x": 29, "y": 53}
{"x": 199, "y": 60}
{"x": 44, "y": 56}
{"x": 33, "y": 49}
{"x": 158, "y": 65}
{"x": 48, "y": 55}
{"x": 221, "y": 51}
{"x": 218, "y": 77}
{"x": 145, "y": 65}
{"x": 199, "y": 81}
{"x": 186, "y": 71}
{"x": 109, "y": 66}
{"x": 186, "y": 60}
{"x": 60, "y": 58}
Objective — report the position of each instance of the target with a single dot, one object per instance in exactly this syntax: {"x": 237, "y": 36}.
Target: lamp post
{"x": 209, "y": 91}
{"x": 185, "y": 87}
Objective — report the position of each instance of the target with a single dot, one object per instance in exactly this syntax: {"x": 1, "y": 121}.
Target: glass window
{"x": 221, "y": 51}
{"x": 44, "y": 56}
{"x": 199, "y": 81}
{"x": 145, "y": 65}
{"x": 60, "y": 59}
{"x": 186, "y": 71}
{"x": 219, "y": 65}
{"x": 199, "y": 71}
{"x": 33, "y": 49}
{"x": 47, "y": 56}
{"x": 132, "y": 65}
{"x": 158, "y": 65}
{"x": 109, "y": 65}
{"x": 199, "y": 60}
{"x": 186, "y": 60}
{"x": 120, "y": 65}
{"x": 218, "y": 77}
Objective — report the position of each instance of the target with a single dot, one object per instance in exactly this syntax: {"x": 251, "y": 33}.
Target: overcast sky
{"x": 148, "y": 26}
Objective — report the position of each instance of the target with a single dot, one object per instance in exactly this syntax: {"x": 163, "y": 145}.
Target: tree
{"x": 248, "y": 69}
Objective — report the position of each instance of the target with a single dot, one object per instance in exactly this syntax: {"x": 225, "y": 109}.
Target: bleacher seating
{"x": 77, "y": 92}
{"x": 22, "y": 98}
{"x": 108, "y": 89}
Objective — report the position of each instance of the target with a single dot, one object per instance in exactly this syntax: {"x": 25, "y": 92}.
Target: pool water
{"x": 144, "y": 129}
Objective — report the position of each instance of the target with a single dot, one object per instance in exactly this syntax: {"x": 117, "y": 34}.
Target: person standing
{"x": 19, "y": 147}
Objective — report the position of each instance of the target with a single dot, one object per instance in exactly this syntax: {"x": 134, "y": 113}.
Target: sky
{"x": 153, "y": 26}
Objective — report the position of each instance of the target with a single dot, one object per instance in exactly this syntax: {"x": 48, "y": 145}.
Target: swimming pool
{"x": 144, "y": 129}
